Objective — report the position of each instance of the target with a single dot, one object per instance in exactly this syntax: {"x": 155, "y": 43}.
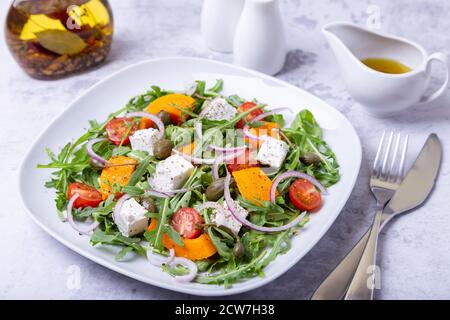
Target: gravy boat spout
{"x": 382, "y": 93}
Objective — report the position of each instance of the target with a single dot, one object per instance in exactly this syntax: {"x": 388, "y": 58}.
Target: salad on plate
{"x": 211, "y": 188}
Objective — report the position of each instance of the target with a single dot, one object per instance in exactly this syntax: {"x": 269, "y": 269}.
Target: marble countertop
{"x": 414, "y": 249}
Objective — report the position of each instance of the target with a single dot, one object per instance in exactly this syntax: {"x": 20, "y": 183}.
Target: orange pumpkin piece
{"x": 266, "y": 129}
{"x": 194, "y": 249}
{"x": 253, "y": 184}
{"x": 171, "y": 103}
{"x": 119, "y": 172}
{"x": 188, "y": 148}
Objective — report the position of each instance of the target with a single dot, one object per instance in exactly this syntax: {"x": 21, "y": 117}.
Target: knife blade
{"x": 420, "y": 180}
{"x": 427, "y": 163}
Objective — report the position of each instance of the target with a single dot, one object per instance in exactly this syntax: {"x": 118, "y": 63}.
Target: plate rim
{"x": 172, "y": 287}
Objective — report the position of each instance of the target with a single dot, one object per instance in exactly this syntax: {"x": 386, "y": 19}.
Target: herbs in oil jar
{"x": 53, "y": 38}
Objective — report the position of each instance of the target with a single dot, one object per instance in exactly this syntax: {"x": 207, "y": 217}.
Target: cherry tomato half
{"x": 304, "y": 196}
{"x": 186, "y": 222}
{"x": 88, "y": 196}
{"x": 245, "y": 107}
{"x": 119, "y": 130}
{"x": 244, "y": 161}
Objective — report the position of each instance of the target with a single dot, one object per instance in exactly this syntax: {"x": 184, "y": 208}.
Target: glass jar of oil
{"x": 53, "y": 38}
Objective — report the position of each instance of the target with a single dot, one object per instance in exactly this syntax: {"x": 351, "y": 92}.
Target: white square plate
{"x": 175, "y": 73}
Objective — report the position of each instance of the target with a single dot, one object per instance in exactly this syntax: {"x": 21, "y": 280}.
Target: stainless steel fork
{"x": 385, "y": 179}
{"x": 337, "y": 282}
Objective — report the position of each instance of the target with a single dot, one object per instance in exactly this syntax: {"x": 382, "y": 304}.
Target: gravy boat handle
{"x": 440, "y": 57}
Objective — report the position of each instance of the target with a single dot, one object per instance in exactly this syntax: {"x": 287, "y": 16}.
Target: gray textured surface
{"x": 415, "y": 249}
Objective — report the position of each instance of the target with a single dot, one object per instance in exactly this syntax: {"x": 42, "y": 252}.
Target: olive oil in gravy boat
{"x": 383, "y": 94}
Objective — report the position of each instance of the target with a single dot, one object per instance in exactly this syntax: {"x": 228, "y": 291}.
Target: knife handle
{"x": 362, "y": 285}
{"x": 337, "y": 282}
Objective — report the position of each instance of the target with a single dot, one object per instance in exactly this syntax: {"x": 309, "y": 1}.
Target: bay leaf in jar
{"x": 61, "y": 42}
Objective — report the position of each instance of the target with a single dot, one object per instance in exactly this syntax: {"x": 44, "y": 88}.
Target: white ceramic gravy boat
{"x": 383, "y": 94}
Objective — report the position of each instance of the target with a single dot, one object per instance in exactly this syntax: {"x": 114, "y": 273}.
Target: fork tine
{"x": 391, "y": 175}
{"x": 401, "y": 166}
{"x": 376, "y": 169}
{"x": 383, "y": 173}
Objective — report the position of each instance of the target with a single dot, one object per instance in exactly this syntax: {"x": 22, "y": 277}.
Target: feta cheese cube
{"x": 144, "y": 140}
{"x": 171, "y": 173}
{"x": 131, "y": 219}
{"x": 272, "y": 152}
{"x": 220, "y": 109}
{"x": 225, "y": 217}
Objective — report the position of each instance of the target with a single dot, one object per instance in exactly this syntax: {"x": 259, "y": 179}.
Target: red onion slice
{"x": 118, "y": 206}
{"x": 168, "y": 194}
{"x": 193, "y": 270}
{"x": 95, "y": 157}
{"x": 227, "y": 149}
{"x": 158, "y": 193}
{"x": 270, "y": 113}
{"x": 158, "y": 260}
{"x": 89, "y": 228}
{"x": 155, "y": 119}
{"x": 245, "y": 222}
{"x": 294, "y": 174}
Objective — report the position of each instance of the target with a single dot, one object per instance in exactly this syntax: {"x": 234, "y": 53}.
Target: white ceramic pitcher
{"x": 260, "y": 42}
{"x": 219, "y": 21}
{"x": 380, "y": 93}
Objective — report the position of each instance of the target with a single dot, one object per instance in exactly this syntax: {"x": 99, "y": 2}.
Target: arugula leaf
{"x": 117, "y": 239}
{"x": 141, "y": 169}
{"x": 142, "y": 101}
{"x": 214, "y": 91}
{"x": 133, "y": 191}
{"x": 155, "y": 236}
{"x": 233, "y": 274}
{"x": 222, "y": 249}
{"x": 122, "y": 253}
{"x": 305, "y": 121}
{"x": 175, "y": 236}
{"x": 277, "y": 118}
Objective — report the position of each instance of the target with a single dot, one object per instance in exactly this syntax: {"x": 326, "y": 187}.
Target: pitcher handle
{"x": 441, "y": 57}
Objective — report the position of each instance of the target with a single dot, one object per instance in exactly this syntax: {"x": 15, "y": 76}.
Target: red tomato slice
{"x": 245, "y": 107}
{"x": 186, "y": 222}
{"x": 304, "y": 196}
{"x": 245, "y": 161}
{"x": 119, "y": 130}
{"x": 88, "y": 196}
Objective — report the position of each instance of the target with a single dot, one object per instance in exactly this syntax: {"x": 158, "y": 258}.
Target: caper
{"x": 215, "y": 190}
{"x": 310, "y": 158}
{"x": 165, "y": 117}
{"x": 238, "y": 249}
{"x": 163, "y": 149}
{"x": 149, "y": 204}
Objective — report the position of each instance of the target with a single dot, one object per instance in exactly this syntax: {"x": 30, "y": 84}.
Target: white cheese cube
{"x": 171, "y": 173}
{"x": 220, "y": 109}
{"x": 131, "y": 219}
{"x": 144, "y": 140}
{"x": 272, "y": 152}
{"x": 225, "y": 217}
